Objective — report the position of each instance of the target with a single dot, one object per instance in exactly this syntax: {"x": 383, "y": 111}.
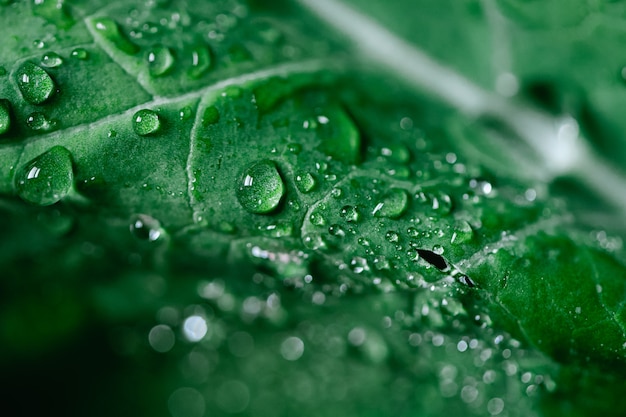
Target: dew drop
{"x": 146, "y": 122}
{"x": 146, "y": 228}
{"x": 110, "y": 31}
{"x": 336, "y": 230}
{"x": 396, "y": 153}
{"x": 200, "y": 61}
{"x": 46, "y": 179}
{"x": 51, "y": 60}
{"x": 392, "y": 237}
{"x": 393, "y": 205}
{"x": 261, "y": 188}
{"x": 5, "y": 116}
{"x": 462, "y": 232}
{"x": 350, "y": 214}
{"x": 34, "y": 83}
{"x": 80, "y": 53}
{"x": 305, "y": 182}
{"x": 39, "y": 122}
{"x": 210, "y": 116}
{"x": 185, "y": 113}
{"x": 160, "y": 60}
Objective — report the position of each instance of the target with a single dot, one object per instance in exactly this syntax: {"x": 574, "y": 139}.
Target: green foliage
{"x": 214, "y": 208}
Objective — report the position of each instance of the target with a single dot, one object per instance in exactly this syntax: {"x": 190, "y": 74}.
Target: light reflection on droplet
{"x": 186, "y": 402}
{"x": 195, "y": 328}
{"x": 292, "y": 348}
{"x": 161, "y": 338}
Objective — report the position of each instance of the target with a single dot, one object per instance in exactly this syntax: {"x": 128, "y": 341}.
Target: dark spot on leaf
{"x": 432, "y": 258}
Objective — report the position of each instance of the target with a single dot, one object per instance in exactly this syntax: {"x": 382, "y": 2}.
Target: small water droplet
{"x": 210, "y": 116}
{"x": 350, "y": 214}
{"x": 109, "y": 30}
{"x": 146, "y": 228}
{"x": 336, "y": 230}
{"x": 5, "y": 116}
{"x": 398, "y": 153}
{"x": 80, "y": 53}
{"x": 160, "y": 60}
{"x": 359, "y": 265}
{"x": 146, "y": 122}
{"x": 292, "y": 348}
{"x": 261, "y": 188}
{"x": 392, "y": 237}
{"x": 46, "y": 179}
{"x": 185, "y": 113}
{"x": 317, "y": 218}
{"x": 39, "y": 122}
{"x": 305, "y": 182}
{"x": 412, "y": 232}
{"x": 438, "y": 249}
{"x": 462, "y": 232}
{"x": 34, "y": 83}
{"x": 393, "y": 204}
{"x": 200, "y": 61}
{"x": 51, "y": 60}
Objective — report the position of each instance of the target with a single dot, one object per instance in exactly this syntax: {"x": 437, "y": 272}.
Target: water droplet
{"x": 109, "y": 30}
{"x": 5, "y": 116}
{"x": 462, "y": 232}
{"x": 146, "y": 122}
{"x": 350, "y": 213}
{"x": 261, "y": 188}
{"x": 412, "y": 232}
{"x": 392, "y": 236}
{"x": 305, "y": 182}
{"x": 336, "y": 230}
{"x": 46, "y": 179}
{"x": 160, "y": 60}
{"x": 34, "y": 83}
{"x": 185, "y": 113}
{"x": 51, "y": 60}
{"x": 200, "y": 61}
{"x": 396, "y": 153}
{"x": 147, "y": 228}
{"x": 341, "y": 139}
{"x": 394, "y": 203}
{"x": 210, "y": 116}
{"x": 80, "y": 53}
{"x": 317, "y": 218}
{"x": 438, "y": 249}
{"x": 39, "y": 122}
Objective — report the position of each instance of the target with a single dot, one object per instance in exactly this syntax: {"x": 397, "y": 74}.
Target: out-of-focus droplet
{"x": 5, "y": 116}
{"x": 292, "y": 348}
{"x": 109, "y": 30}
{"x": 160, "y": 60}
{"x": 186, "y": 402}
{"x": 200, "y": 61}
{"x": 146, "y": 228}
{"x": 161, "y": 338}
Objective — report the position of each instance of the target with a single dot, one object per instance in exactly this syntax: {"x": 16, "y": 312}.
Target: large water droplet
{"x": 46, "y": 179}
{"x": 109, "y": 30}
{"x": 5, "y": 116}
{"x": 160, "y": 60}
{"x": 146, "y": 122}
{"x": 34, "y": 83}
{"x": 394, "y": 203}
{"x": 261, "y": 188}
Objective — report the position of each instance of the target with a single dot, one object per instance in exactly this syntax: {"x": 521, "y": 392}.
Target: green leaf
{"x": 293, "y": 208}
